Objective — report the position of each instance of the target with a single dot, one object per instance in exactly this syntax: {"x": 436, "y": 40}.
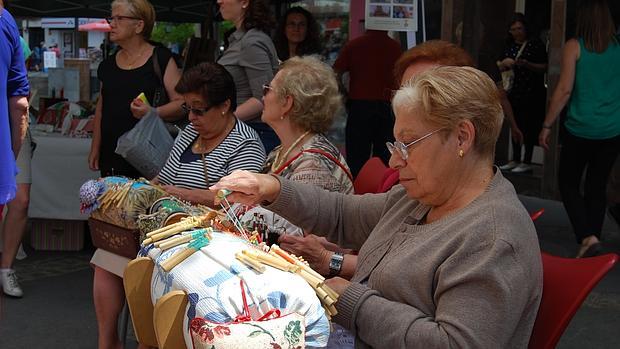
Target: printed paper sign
{"x": 49, "y": 59}
{"x": 396, "y": 15}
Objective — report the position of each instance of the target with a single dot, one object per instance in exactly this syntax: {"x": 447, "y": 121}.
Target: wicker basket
{"x": 115, "y": 239}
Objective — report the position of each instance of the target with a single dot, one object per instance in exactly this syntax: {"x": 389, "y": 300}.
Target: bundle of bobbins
{"x": 280, "y": 259}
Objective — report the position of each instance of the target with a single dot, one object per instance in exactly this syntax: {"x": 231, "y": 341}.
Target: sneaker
{"x": 522, "y": 168}
{"x": 10, "y": 286}
{"x": 509, "y": 166}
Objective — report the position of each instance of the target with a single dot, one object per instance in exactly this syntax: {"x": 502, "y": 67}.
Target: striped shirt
{"x": 240, "y": 150}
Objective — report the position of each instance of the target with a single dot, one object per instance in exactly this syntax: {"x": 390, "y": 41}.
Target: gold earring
{"x": 461, "y": 152}
{"x": 223, "y": 113}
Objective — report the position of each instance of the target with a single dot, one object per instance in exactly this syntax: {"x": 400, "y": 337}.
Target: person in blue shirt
{"x": 14, "y": 90}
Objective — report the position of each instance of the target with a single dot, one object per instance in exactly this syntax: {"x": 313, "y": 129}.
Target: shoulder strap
{"x": 156, "y": 65}
{"x": 315, "y": 151}
{"x": 521, "y": 50}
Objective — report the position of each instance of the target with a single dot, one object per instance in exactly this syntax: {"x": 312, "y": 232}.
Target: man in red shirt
{"x": 369, "y": 59}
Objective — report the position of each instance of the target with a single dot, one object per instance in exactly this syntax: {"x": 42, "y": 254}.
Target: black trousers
{"x": 369, "y": 125}
{"x": 586, "y": 211}
{"x": 529, "y": 113}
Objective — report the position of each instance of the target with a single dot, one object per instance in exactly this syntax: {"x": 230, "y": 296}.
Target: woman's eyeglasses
{"x": 401, "y": 148}
{"x": 266, "y": 89}
{"x": 119, "y": 18}
{"x": 195, "y": 111}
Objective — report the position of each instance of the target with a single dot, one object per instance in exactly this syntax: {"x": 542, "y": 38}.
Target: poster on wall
{"x": 49, "y": 59}
{"x": 67, "y": 40}
{"x": 396, "y": 15}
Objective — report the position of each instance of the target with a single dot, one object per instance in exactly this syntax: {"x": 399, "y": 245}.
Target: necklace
{"x": 130, "y": 64}
{"x": 280, "y": 158}
{"x": 198, "y": 148}
{"x": 204, "y": 169}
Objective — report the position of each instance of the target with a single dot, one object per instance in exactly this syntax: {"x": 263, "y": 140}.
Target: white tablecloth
{"x": 59, "y": 168}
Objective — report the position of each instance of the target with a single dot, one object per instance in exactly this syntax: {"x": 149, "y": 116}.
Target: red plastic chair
{"x": 370, "y": 176}
{"x": 566, "y": 283}
{"x": 537, "y": 214}
{"x": 390, "y": 179}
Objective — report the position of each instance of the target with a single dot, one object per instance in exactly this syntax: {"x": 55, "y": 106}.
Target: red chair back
{"x": 566, "y": 283}
{"x": 390, "y": 179}
{"x": 370, "y": 176}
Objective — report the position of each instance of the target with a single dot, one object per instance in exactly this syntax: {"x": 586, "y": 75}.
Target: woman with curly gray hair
{"x": 300, "y": 104}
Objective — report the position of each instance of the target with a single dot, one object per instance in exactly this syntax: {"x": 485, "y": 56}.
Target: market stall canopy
{"x": 98, "y": 26}
{"x": 190, "y": 11}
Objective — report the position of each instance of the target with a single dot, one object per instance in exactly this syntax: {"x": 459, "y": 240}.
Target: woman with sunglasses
{"x": 215, "y": 143}
{"x": 300, "y": 104}
{"x": 447, "y": 258}
{"x": 126, "y": 74}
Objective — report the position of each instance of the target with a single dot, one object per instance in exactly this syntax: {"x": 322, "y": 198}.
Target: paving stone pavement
{"x": 52, "y": 266}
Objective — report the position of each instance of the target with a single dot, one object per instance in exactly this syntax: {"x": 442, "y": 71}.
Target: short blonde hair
{"x": 140, "y": 9}
{"x": 314, "y": 89}
{"x": 448, "y": 95}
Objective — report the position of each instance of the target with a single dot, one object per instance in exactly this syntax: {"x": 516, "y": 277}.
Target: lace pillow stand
{"x": 269, "y": 331}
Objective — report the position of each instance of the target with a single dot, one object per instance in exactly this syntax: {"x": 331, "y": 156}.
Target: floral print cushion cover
{"x": 286, "y": 332}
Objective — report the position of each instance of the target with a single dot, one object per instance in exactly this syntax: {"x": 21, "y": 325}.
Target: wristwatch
{"x": 335, "y": 264}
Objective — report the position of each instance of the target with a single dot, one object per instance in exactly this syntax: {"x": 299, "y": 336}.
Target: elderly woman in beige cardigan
{"x": 447, "y": 258}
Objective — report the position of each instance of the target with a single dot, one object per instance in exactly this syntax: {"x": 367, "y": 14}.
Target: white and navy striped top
{"x": 240, "y": 150}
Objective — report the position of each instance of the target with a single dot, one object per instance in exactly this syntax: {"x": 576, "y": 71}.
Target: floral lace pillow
{"x": 286, "y": 332}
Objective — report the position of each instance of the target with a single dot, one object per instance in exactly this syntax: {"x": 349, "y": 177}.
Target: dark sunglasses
{"x": 195, "y": 111}
{"x": 119, "y": 18}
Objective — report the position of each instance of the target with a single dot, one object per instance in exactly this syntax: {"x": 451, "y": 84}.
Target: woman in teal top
{"x": 590, "y": 84}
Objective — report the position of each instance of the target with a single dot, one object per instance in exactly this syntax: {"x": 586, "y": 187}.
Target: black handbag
{"x": 161, "y": 98}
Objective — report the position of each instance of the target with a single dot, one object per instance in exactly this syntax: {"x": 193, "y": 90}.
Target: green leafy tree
{"x": 172, "y": 33}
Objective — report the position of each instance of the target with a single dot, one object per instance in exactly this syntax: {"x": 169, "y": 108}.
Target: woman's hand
{"x": 516, "y": 134}
{"x": 93, "y": 160}
{"x": 138, "y": 108}
{"x": 522, "y": 62}
{"x": 175, "y": 191}
{"x": 338, "y": 284}
{"x": 506, "y": 64}
{"x": 248, "y": 188}
{"x": 543, "y": 138}
{"x": 310, "y": 248}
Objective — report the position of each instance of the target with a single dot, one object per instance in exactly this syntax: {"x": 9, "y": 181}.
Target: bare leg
{"x": 109, "y": 296}
{"x": 15, "y": 225}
